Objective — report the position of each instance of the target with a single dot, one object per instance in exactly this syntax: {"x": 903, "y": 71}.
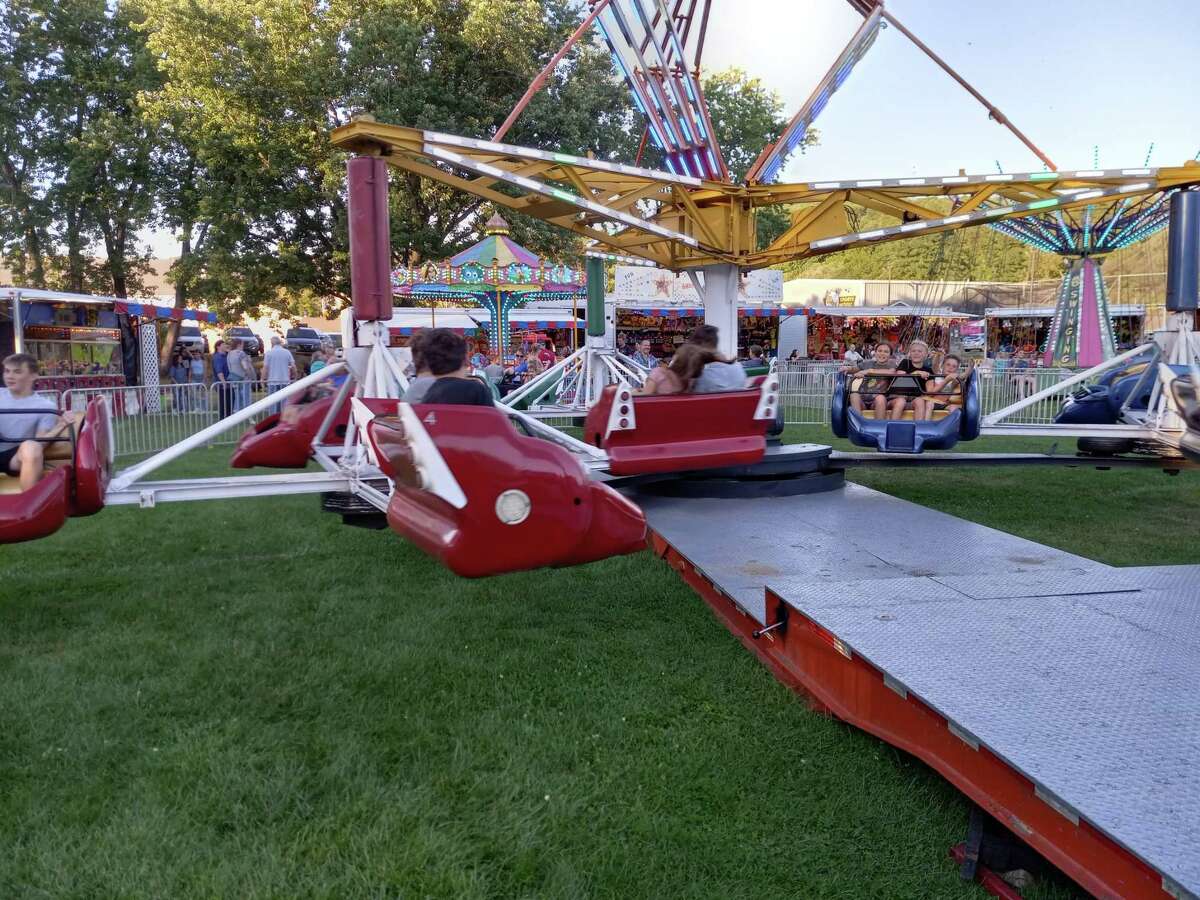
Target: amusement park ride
{"x": 492, "y": 490}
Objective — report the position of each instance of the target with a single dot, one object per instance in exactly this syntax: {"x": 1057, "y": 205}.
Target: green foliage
{"x": 76, "y": 156}
{"x": 746, "y": 116}
{"x": 256, "y": 86}
{"x": 969, "y": 254}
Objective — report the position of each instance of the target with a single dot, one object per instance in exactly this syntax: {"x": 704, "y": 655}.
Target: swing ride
{"x": 493, "y": 490}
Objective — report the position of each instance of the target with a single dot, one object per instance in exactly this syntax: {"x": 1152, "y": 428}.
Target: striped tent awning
{"x": 149, "y": 310}
{"x": 745, "y": 312}
{"x": 409, "y": 330}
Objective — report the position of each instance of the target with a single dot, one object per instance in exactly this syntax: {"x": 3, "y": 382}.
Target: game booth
{"x": 82, "y": 341}
{"x": 1011, "y": 329}
{"x": 834, "y": 329}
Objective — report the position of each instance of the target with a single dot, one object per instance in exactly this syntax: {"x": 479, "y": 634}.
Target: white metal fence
{"x": 806, "y": 389}
{"x": 148, "y": 419}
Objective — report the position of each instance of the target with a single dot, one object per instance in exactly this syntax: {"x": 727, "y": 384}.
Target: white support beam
{"x": 148, "y": 494}
{"x": 127, "y": 477}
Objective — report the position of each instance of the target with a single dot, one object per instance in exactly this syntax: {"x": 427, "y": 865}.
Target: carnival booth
{"x": 834, "y": 329}
{"x": 497, "y": 275}
{"x": 1027, "y": 328}
{"x": 668, "y": 327}
{"x": 529, "y": 329}
{"x": 84, "y": 341}
{"x": 407, "y": 321}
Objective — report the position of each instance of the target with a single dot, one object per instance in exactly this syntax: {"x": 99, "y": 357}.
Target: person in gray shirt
{"x": 494, "y": 370}
{"x": 23, "y": 415}
{"x": 720, "y": 375}
{"x": 420, "y": 385}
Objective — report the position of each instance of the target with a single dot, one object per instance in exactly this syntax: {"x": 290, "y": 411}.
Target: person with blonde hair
{"x": 916, "y": 364}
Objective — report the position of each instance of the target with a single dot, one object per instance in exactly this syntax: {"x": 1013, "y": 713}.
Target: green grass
{"x": 246, "y": 698}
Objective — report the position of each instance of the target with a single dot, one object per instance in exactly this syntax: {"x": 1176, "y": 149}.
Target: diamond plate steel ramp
{"x": 1092, "y": 697}
{"x": 854, "y": 534}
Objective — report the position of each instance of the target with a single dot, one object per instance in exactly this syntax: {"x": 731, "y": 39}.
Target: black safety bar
{"x": 957, "y": 389}
{"x": 69, "y": 436}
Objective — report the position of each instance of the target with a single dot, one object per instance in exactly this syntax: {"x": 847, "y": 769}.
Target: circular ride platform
{"x": 786, "y": 470}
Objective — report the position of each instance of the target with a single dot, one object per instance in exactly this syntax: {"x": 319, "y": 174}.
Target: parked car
{"x": 333, "y": 339}
{"x": 303, "y": 340}
{"x": 250, "y": 341}
{"x": 190, "y": 338}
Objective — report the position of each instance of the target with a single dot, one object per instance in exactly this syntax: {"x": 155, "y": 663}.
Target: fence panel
{"x": 229, "y": 398}
{"x": 806, "y": 389}
{"x": 146, "y": 419}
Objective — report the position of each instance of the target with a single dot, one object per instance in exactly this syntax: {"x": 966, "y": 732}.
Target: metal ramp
{"x": 1058, "y": 693}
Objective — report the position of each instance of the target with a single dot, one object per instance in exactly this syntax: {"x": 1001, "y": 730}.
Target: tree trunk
{"x": 168, "y": 346}
{"x": 74, "y": 250}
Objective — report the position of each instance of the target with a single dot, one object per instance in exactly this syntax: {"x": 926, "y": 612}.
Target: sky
{"x": 1072, "y": 75}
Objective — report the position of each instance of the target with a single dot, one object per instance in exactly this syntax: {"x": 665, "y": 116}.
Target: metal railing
{"x": 806, "y": 388}
{"x": 148, "y": 419}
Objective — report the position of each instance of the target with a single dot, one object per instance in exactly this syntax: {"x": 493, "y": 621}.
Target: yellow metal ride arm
{"x": 678, "y": 222}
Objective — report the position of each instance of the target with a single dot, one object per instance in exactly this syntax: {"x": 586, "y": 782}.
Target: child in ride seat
{"x": 446, "y": 356}
{"x": 686, "y": 366}
{"x": 902, "y": 391}
{"x": 942, "y": 391}
{"x": 877, "y": 370}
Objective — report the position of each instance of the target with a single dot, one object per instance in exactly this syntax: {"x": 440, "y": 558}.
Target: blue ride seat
{"x": 960, "y": 421}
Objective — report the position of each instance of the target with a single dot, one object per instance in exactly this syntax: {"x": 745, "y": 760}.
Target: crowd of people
{"x": 921, "y": 381}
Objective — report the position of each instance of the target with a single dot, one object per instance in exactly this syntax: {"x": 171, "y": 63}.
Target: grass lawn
{"x": 246, "y": 698}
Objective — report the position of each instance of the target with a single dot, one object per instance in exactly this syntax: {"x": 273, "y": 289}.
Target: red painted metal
{"x": 277, "y": 444}
{"x": 988, "y": 880}
{"x": 678, "y": 432}
{"x": 370, "y": 238}
{"x": 37, "y": 512}
{"x": 540, "y": 78}
{"x": 814, "y": 661}
{"x": 993, "y": 112}
{"x": 570, "y": 519}
{"x": 92, "y": 465}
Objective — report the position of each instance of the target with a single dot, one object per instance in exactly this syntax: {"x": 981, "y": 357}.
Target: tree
{"x": 253, "y": 88}
{"x": 746, "y": 116}
{"x": 75, "y": 153}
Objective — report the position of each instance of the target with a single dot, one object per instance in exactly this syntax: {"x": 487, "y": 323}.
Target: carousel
{"x": 499, "y": 276}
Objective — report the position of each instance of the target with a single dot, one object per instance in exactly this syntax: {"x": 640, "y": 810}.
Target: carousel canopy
{"x": 495, "y": 264}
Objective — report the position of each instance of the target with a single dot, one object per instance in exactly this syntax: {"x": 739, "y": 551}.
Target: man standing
{"x": 240, "y": 373}
{"x": 220, "y": 364}
{"x": 23, "y": 415}
{"x": 642, "y": 356}
{"x": 494, "y": 370}
{"x": 278, "y": 366}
